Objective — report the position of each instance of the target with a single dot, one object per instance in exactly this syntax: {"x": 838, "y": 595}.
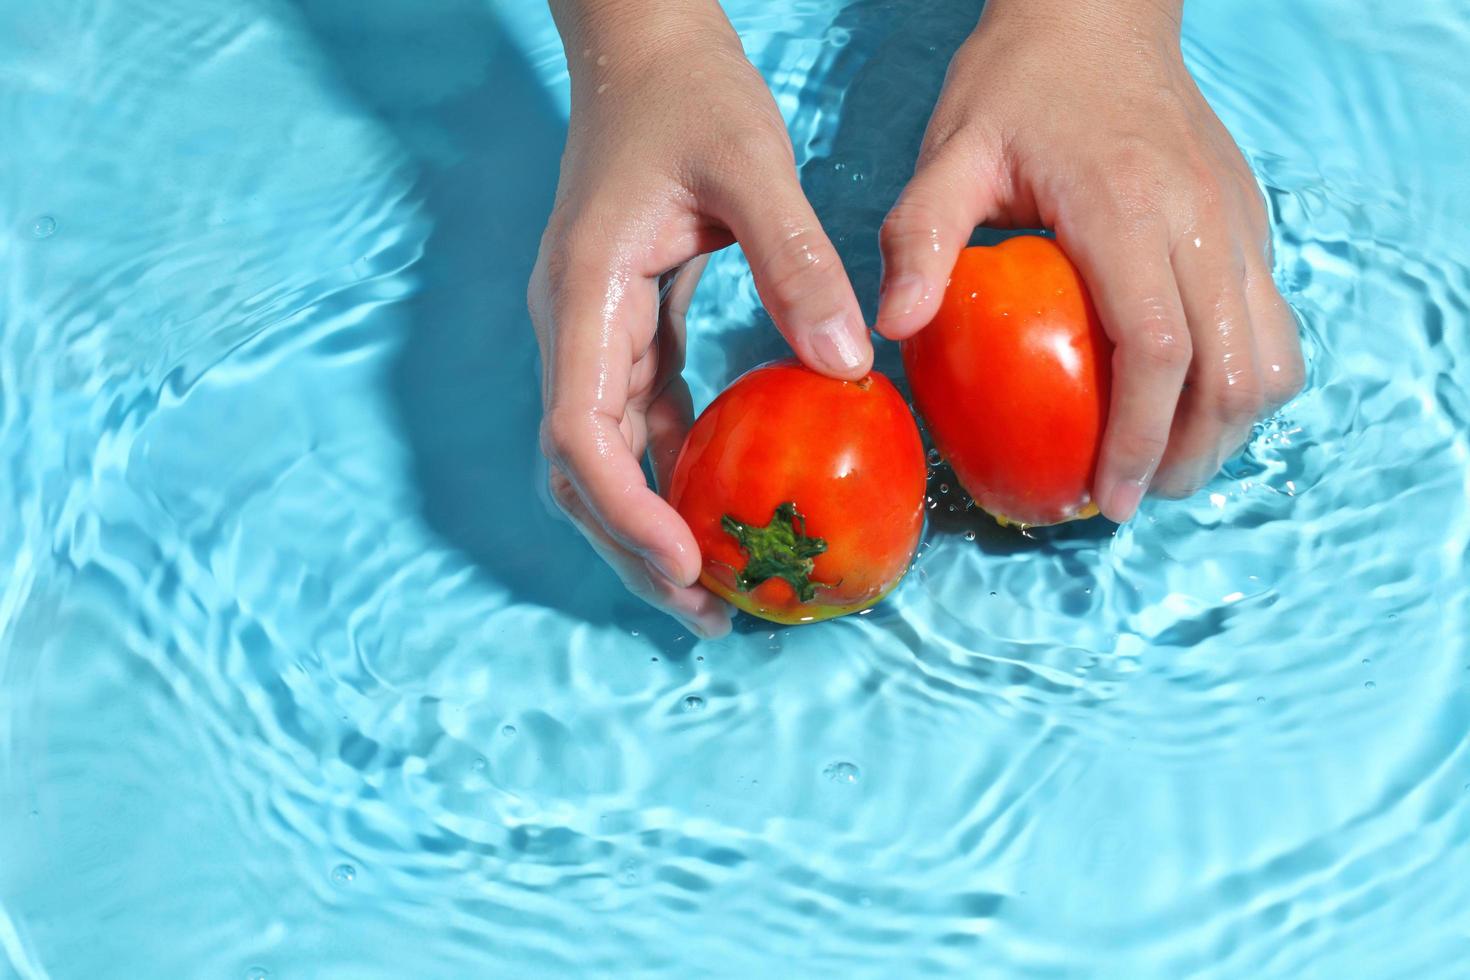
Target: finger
{"x": 676, "y": 293}
{"x": 1131, "y": 282}
{"x": 669, "y": 418}
{"x": 797, "y": 271}
{"x": 670, "y": 411}
{"x": 675, "y": 299}
{"x": 1225, "y": 396}
{"x": 922, "y": 237}
{"x": 598, "y": 318}
{"x": 1278, "y": 339}
{"x": 697, "y": 608}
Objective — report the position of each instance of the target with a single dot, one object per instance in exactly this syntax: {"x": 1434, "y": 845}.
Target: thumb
{"x": 922, "y": 237}
{"x": 798, "y": 273}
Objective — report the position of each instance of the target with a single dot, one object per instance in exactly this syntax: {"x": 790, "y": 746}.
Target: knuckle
{"x": 560, "y": 433}
{"x": 1238, "y": 401}
{"x": 1139, "y": 450}
{"x": 909, "y": 222}
{"x": 1159, "y": 344}
{"x": 1284, "y": 382}
{"x": 1136, "y": 178}
{"x": 799, "y": 267}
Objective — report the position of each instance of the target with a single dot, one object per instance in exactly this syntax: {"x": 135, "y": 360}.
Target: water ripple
{"x": 299, "y": 676}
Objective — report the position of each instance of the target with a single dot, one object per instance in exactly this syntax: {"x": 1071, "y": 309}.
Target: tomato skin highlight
{"x": 846, "y": 454}
{"x": 1013, "y": 377}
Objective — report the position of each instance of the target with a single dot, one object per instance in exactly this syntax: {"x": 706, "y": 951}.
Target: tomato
{"x": 805, "y": 494}
{"x": 1012, "y": 377}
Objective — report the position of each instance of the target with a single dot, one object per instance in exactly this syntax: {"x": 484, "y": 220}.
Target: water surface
{"x": 300, "y": 676}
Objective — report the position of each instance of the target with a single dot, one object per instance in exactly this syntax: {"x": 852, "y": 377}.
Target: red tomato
{"x": 806, "y": 494}
{"x": 1012, "y": 377}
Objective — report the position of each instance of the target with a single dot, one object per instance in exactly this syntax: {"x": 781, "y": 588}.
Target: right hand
{"x": 675, "y": 149}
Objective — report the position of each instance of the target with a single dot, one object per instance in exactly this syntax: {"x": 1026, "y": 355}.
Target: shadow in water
{"x": 887, "y": 78}
{"x": 456, "y": 92}
{"x": 453, "y": 88}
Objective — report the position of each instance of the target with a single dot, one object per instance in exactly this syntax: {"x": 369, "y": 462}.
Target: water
{"x": 278, "y": 577}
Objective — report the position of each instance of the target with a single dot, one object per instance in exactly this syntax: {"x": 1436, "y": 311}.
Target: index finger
{"x": 597, "y": 317}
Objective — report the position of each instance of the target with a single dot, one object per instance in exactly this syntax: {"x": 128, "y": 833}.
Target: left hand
{"x": 1079, "y": 115}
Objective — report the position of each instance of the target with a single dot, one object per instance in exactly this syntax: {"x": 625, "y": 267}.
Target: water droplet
{"x": 839, "y": 166}
{"x": 934, "y": 457}
{"x": 694, "y": 703}
{"x": 700, "y": 659}
{"x": 992, "y": 594}
{"x": 1260, "y": 699}
{"x": 634, "y": 632}
{"x": 866, "y": 901}
{"x": 944, "y": 488}
{"x": 344, "y": 874}
{"x": 653, "y": 660}
{"x": 842, "y": 772}
{"x": 628, "y": 873}
{"x": 1370, "y": 685}
{"x": 479, "y": 764}
{"x": 257, "y": 973}
{"x": 509, "y": 731}
{"x": 857, "y": 177}
{"x": 969, "y": 535}
{"x": 1366, "y": 661}
{"x": 44, "y": 226}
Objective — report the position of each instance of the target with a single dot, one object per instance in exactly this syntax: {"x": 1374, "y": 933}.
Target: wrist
{"x": 603, "y": 37}
{"x": 1151, "y": 23}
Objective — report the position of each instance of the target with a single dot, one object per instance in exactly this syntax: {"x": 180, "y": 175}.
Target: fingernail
{"x": 901, "y": 296}
{"x": 1123, "y": 499}
{"x": 835, "y": 346}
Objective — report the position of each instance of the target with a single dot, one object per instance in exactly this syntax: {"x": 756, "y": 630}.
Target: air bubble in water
{"x": 934, "y": 457}
{"x": 479, "y": 764}
{"x": 509, "y": 731}
{"x": 44, "y": 226}
{"x": 344, "y": 874}
{"x": 1370, "y": 685}
{"x": 694, "y": 703}
{"x": 1260, "y": 699}
{"x": 257, "y": 973}
{"x": 969, "y": 535}
{"x": 842, "y": 772}
{"x": 628, "y": 873}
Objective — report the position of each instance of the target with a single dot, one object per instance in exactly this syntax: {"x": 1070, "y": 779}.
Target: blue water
{"x": 300, "y": 676}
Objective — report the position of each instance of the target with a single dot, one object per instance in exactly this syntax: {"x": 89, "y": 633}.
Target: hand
{"x": 1079, "y": 115}
{"x": 675, "y": 149}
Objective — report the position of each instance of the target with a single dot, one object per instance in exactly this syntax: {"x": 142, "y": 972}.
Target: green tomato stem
{"x": 782, "y": 549}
